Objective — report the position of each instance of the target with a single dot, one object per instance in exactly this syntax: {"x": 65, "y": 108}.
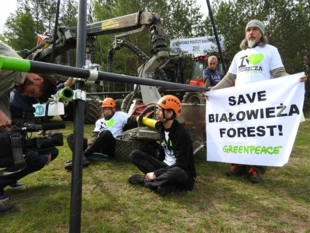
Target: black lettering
{"x": 231, "y": 133}
{"x": 251, "y": 98}
{"x": 261, "y": 95}
{"x": 240, "y": 116}
{"x": 262, "y": 113}
{"x": 293, "y": 110}
{"x": 271, "y": 129}
{"x": 252, "y": 114}
{"x": 241, "y": 100}
{"x": 211, "y": 118}
{"x": 223, "y": 118}
{"x": 231, "y": 101}
{"x": 282, "y": 108}
{"x": 270, "y": 112}
{"x": 251, "y": 131}
{"x": 243, "y": 59}
{"x": 222, "y": 132}
{"x": 230, "y": 118}
{"x": 241, "y": 132}
{"x": 261, "y": 131}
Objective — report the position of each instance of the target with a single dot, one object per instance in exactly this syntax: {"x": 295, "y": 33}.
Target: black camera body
{"x": 20, "y": 133}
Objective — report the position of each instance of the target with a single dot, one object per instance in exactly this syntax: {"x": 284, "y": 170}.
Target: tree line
{"x": 287, "y": 26}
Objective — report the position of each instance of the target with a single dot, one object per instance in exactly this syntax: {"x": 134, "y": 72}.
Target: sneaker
{"x": 69, "y": 165}
{"x": 16, "y": 186}
{"x": 136, "y": 179}
{"x": 254, "y": 176}
{"x": 3, "y": 197}
{"x": 4, "y": 207}
{"x": 236, "y": 170}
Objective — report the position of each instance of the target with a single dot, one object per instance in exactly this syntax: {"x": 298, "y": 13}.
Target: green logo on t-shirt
{"x": 110, "y": 122}
{"x": 254, "y": 59}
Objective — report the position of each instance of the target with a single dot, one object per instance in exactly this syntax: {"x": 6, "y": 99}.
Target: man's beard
{"x": 251, "y": 43}
{"x": 107, "y": 117}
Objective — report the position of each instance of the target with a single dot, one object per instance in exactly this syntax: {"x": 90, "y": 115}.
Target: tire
{"x": 92, "y": 111}
{"x": 194, "y": 98}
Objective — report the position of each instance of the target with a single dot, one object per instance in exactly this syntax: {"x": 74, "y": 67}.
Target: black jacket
{"x": 183, "y": 150}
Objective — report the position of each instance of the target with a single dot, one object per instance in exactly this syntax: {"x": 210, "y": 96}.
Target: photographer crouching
{"x": 39, "y": 86}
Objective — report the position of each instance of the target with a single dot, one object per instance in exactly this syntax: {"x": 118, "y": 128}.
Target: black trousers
{"x": 174, "y": 177}
{"x": 35, "y": 162}
{"x": 70, "y": 141}
{"x": 105, "y": 144}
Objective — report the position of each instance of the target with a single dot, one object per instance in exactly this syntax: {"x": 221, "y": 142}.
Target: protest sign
{"x": 255, "y": 124}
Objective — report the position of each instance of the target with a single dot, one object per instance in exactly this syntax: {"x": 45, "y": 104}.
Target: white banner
{"x": 255, "y": 124}
{"x": 198, "y": 45}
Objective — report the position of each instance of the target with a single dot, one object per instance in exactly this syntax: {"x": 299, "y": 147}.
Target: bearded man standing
{"x": 257, "y": 61}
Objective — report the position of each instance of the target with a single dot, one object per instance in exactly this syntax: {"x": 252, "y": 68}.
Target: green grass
{"x": 281, "y": 203}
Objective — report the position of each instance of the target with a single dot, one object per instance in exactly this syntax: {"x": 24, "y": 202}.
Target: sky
{"x": 10, "y": 7}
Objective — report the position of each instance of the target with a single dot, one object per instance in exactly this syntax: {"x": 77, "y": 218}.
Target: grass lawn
{"x": 281, "y": 203}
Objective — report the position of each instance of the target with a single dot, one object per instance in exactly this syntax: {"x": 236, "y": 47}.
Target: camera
{"x": 16, "y": 144}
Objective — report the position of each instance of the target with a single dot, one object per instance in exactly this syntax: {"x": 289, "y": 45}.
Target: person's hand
{"x": 69, "y": 82}
{"x": 5, "y": 122}
{"x": 208, "y": 89}
{"x": 49, "y": 158}
{"x": 303, "y": 78}
{"x": 150, "y": 176}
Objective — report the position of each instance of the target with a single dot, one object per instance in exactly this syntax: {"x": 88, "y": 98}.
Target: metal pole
{"x": 24, "y": 65}
{"x": 55, "y": 31}
{"x": 77, "y": 171}
{"x": 216, "y": 36}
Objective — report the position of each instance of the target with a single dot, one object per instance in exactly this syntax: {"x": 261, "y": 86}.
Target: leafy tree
{"x": 20, "y": 31}
{"x": 68, "y": 13}
{"x": 282, "y": 19}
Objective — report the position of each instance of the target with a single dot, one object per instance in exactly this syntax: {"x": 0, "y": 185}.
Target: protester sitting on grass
{"x": 174, "y": 169}
{"x": 107, "y": 129}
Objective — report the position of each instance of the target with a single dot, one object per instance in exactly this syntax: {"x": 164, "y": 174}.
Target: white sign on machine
{"x": 198, "y": 45}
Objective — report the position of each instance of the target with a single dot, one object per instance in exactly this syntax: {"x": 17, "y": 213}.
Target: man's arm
{"x": 207, "y": 82}
{"x": 131, "y": 123}
{"x": 280, "y": 72}
{"x": 69, "y": 82}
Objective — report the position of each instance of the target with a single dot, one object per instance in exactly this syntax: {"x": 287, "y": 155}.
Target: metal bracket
{"x": 93, "y": 71}
{"x": 79, "y": 94}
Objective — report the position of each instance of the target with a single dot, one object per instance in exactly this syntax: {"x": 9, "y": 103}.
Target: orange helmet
{"x": 170, "y": 102}
{"x": 108, "y": 103}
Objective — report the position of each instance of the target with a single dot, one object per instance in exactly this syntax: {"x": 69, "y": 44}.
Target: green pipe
{"x": 16, "y": 64}
{"x": 65, "y": 93}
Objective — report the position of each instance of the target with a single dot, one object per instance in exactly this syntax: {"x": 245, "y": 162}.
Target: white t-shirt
{"x": 170, "y": 158}
{"x": 255, "y": 64}
{"x": 114, "y": 125}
